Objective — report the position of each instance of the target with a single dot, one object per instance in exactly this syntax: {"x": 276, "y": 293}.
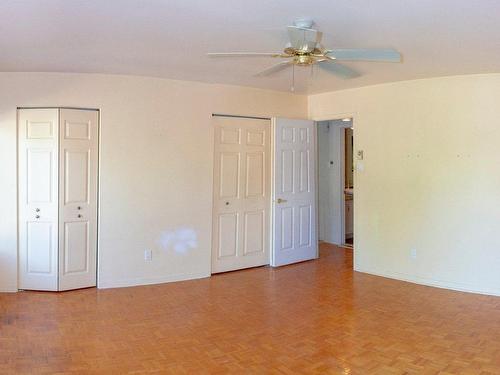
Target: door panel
{"x": 255, "y": 178}
{"x": 78, "y": 198}
{"x": 287, "y": 134}
{"x": 228, "y": 234}
{"x": 294, "y": 198}
{"x": 229, "y": 175}
{"x": 40, "y": 175}
{"x": 304, "y": 171}
{"x": 254, "y": 231}
{"x": 40, "y": 248}
{"x": 38, "y": 202}
{"x": 77, "y": 130}
{"x": 42, "y": 129}
{"x": 287, "y": 171}
{"x": 76, "y": 174}
{"x": 256, "y": 138}
{"x": 286, "y": 214}
{"x": 305, "y": 226}
{"x": 242, "y": 188}
{"x": 230, "y": 136}
{"x": 76, "y": 239}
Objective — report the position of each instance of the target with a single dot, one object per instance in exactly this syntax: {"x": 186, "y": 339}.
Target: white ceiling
{"x": 169, "y": 38}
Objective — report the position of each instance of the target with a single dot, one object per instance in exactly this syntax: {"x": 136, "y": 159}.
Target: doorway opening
{"x": 336, "y": 181}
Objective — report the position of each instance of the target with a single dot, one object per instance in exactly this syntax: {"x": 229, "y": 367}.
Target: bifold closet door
{"x": 38, "y": 198}
{"x": 58, "y": 161}
{"x": 78, "y": 163}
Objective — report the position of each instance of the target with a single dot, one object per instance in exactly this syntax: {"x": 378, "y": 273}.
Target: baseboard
{"x": 461, "y": 287}
{"x": 122, "y": 283}
{"x": 9, "y": 289}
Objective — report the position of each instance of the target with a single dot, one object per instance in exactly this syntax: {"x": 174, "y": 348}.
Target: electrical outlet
{"x": 413, "y": 253}
{"x": 148, "y": 255}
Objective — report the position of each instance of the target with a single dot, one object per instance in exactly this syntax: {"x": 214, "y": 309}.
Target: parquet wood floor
{"x": 316, "y": 317}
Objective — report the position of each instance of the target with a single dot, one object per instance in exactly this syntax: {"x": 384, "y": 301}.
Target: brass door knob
{"x": 279, "y": 200}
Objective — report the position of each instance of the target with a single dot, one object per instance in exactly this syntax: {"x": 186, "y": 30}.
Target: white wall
{"x": 156, "y": 166}
{"x": 431, "y": 179}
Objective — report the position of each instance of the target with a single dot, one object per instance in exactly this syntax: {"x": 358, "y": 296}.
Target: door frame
{"x": 332, "y": 117}
{"x": 99, "y": 114}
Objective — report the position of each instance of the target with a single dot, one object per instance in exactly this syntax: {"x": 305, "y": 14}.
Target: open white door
{"x": 294, "y": 192}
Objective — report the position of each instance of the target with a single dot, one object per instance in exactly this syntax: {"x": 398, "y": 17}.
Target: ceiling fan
{"x": 305, "y": 49}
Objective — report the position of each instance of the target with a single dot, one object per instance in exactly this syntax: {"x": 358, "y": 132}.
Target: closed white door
{"x": 242, "y": 186}
{"x": 78, "y": 165}
{"x": 38, "y": 198}
{"x": 294, "y": 192}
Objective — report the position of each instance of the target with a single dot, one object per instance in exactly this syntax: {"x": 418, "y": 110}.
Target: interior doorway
{"x": 265, "y": 196}
{"x": 336, "y": 181}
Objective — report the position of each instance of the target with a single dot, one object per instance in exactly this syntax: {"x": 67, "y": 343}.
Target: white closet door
{"x": 38, "y": 202}
{"x": 78, "y": 198}
{"x": 294, "y": 206}
{"x": 242, "y": 190}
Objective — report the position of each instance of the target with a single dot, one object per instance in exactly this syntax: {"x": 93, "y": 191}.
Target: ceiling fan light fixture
{"x": 303, "y": 23}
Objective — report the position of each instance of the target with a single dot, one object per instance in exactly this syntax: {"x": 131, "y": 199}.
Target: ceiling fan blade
{"x": 365, "y": 54}
{"x": 244, "y": 54}
{"x": 275, "y": 68}
{"x": 339, "y": 70}
{"x": 303, "y": 39}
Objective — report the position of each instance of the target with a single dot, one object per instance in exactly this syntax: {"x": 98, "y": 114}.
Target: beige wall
{"x": 156, "y": 166}
{"x": 433, "y": 185}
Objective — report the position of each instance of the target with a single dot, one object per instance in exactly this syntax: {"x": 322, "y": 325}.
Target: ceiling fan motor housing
{"x": 303, "y": 60}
